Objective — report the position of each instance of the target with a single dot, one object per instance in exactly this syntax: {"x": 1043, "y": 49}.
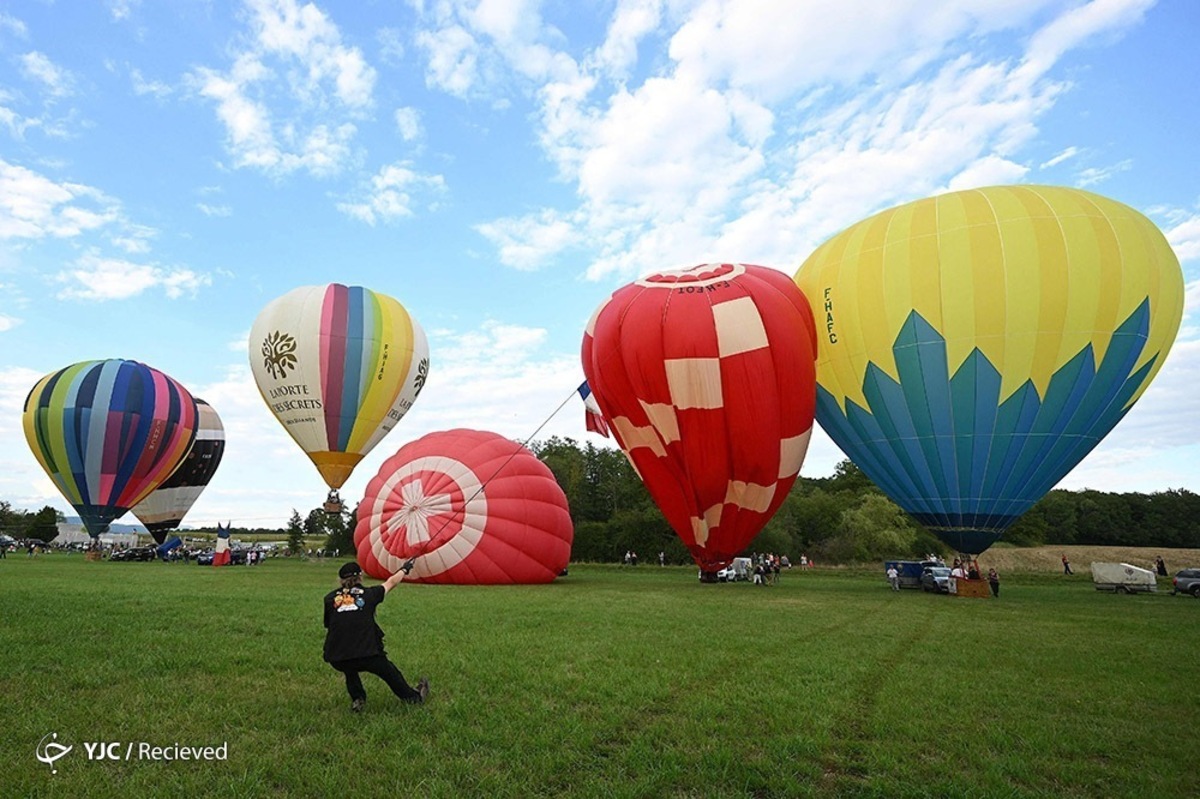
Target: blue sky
{"x": 500, "y": 166}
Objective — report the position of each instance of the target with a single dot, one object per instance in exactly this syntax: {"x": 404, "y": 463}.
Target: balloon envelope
{"x": 339, "y": 366}
{"x": 706, "y": 377}
{"x": 976, "y": 345}
{"x": 166, "y": 506}
{"x": 471, "y": 506}
{"x": 108, "y": 433}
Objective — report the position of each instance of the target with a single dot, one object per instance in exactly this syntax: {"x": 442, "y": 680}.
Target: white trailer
{"x": 1122, "y": 578}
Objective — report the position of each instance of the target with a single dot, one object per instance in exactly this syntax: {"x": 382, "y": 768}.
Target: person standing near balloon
{"x": 994, "y": 581}
{"x": 1066, "y": 564}
{"x": 354, "y": 642}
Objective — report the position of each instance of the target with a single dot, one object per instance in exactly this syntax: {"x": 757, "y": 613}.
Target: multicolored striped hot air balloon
{"x": 472, "y": 507}
{"x": 108, "y": 433}
{"x": 339, "y": 366}
{"x": 166, "y": 506}
{"x": 706, "y": 379}
{"x": 975, "y": 346}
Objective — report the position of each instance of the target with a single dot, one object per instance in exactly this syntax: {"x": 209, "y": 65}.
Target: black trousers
{"x": 381, "y": 667}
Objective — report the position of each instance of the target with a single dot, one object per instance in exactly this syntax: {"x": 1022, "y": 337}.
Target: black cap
{"x": 349, "y": 570}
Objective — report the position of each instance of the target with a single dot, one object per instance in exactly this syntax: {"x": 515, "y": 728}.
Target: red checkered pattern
{"x": 707, "y": 378}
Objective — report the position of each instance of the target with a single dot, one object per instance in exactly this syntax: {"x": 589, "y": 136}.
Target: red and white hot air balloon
{"x": 472, "y": 508}
{"x": 706, "y": 377}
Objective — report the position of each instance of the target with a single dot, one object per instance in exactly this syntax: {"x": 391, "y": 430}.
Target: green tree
{"x": 295, "y": 535}
{"x": 335, "y": 528}
{"x": 875, "y": 528}
{"x": 43, "y": 524}
{"x": 341, "y": 534}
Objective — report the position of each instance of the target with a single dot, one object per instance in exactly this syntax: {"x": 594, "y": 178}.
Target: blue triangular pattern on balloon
{"x": 920, "y": 354}
{"x": 963, "y": 464}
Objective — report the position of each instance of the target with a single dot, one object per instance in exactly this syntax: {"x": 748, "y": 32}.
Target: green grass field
{"x": 611, "y": 682}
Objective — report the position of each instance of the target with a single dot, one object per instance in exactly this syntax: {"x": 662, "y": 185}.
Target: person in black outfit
{"x": 354, "y": 642}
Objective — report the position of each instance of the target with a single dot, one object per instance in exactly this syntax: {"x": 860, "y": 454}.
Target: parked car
{"x": 134, "y": 553}
{"x": 237, "y": 557}
{"x": 936, "y": 578}
{"x": 1187, "y": 581}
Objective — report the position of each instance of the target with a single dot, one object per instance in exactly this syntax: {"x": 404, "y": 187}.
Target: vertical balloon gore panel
{"x": 471, "y": 507}
{"x": 975, "y": 346}
{"x": 706, "y": 376}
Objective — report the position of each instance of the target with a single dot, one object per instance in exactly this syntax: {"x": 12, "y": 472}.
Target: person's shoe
{"x": 357, "y": 705}
{"x": 423, "y": 688}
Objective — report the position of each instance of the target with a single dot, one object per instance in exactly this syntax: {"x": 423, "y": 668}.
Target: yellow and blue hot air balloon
{"x": 338, "y": 366}
{"x": 975, "y": 346}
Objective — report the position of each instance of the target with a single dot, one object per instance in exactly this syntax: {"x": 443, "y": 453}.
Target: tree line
{"x": 842, "y": 518}
{"x": 845, "y": 517}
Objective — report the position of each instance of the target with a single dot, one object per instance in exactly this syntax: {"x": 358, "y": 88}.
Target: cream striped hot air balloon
{"x": 338, "y": 366}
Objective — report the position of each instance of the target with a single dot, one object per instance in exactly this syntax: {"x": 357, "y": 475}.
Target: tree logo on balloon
{"x": 279, "y": 354}
{"x": 422, "y": 374}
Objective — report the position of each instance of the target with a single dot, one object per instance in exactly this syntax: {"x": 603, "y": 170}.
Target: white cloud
{"x": 33, "y": 206}
{"x": 501, "y": 378}
{"x": 690, "y": 165}
{"x": 134, "y": 239}
{"x": 528, "y": 243}
{"x": 122, "y": 9}
{"x": 214, "y": 210}
{"x": 1184, "y": 237}
{"x": 8, "y": 322}
{"x": 1191, "y": 298}
{"x": 632, "y": 21}
{"x": 408, "y": 122}
{"x": 154, "y": 88}
{"x": 391, "y": 45}
{"x": 1093, "y": 175}
{"x": 990, "y": 170}
{"x": 286, "y": 30}
{"x": 97, "y": 278}
{"x": 1069, "y": 152}
{"x": 57, "y": 81}
{"x": 13, "y": 26}
{"x": 287, "y": 99}
{"x": 1077, "y": 26}
{"x": 452, "y": 59}
{"x": 389, "y": 194}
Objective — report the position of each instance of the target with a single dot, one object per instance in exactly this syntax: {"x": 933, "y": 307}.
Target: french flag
{"x": 592, "y": 416}
{"x": 221, "y": 556}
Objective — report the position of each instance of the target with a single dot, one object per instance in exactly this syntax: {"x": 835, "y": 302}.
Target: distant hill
{"x": 115, "y": 527}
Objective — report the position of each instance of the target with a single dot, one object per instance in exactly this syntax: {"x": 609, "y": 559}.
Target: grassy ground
{"x": 611, "y": 682}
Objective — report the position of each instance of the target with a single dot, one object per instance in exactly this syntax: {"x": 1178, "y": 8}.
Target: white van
{"x": 738, "y": 570}
{"x": 1123, "y": 578}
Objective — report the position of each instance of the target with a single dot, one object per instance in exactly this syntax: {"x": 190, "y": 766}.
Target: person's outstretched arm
{"x": 395, "y": 579}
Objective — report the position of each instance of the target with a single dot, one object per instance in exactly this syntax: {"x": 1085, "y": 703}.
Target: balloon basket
{"x": 978, "y": 589}
{"x": 93, "y": 555}
{"x": 333, "y": 503}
